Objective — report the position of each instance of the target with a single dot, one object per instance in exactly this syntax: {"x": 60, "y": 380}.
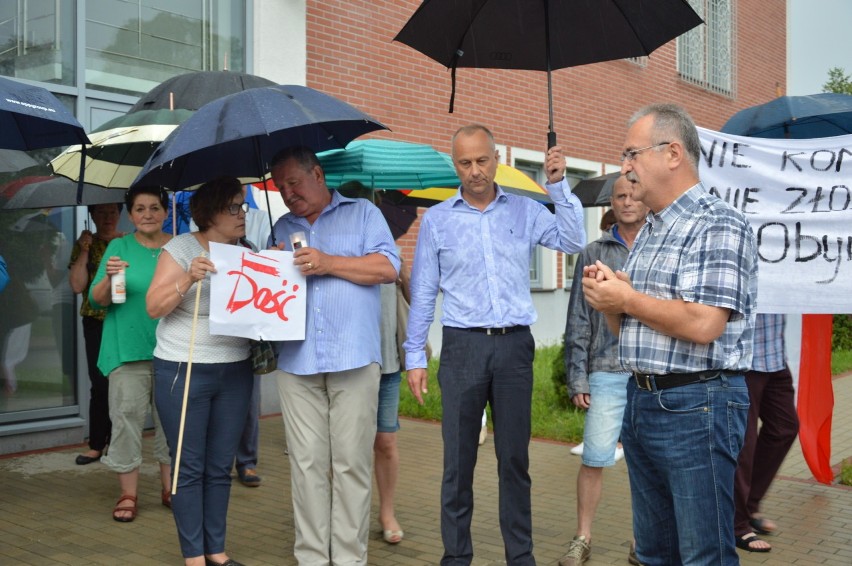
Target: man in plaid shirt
{"x": 683, "y": 308}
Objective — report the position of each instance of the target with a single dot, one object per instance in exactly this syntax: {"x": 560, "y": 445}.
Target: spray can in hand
{"x": 119, "y": 290}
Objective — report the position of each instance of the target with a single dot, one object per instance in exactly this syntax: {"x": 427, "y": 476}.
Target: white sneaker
{"x": 619, "y": 453}
{"x": 577, "y": 450}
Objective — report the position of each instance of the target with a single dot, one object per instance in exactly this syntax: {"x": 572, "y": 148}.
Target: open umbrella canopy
{"x": 596, "y": 191}
{"x": 386, "y": 164}
{"x": 511, "y": 180}
{"x": 542, "y": 35}
{"x": 51, "y": 191}
{"x": 191, "y": 91}
{"x": 795, "y": 117}
{"x": 119, "y": 148}
{"x": 33, "y": 118}
{"x": 238, "y": 135}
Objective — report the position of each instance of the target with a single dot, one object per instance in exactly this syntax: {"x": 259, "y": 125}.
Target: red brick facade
{"x": 351, "y": 55}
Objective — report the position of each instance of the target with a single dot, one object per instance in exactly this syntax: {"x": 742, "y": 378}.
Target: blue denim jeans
{"x": 681, "y": 446}
{"x": 608, "y": 392}
{"x": 388, "y": 416}
{"x": 215, "y": 417}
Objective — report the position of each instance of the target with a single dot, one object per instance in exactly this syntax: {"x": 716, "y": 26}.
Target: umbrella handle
{"x": 186, "y": 388}
{"x": 551, "y": 139}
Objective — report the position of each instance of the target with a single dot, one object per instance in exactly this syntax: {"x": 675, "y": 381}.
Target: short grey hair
{"x": 672, "y": 123}
{"x": 471, "y": 129}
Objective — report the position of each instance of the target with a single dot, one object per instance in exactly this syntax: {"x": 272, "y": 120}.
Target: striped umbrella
{"x": 511, "y": 180}
{"x": 120, "y": 148}
{"x": 389, "y": 165}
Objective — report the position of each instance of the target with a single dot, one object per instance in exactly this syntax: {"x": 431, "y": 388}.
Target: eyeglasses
{"x": 236, "y": 208}
{"x": 631, "y": 154}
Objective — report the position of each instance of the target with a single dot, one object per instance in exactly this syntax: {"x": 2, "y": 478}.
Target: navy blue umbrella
{"x": 33, "y": 118}
{"x": 238, "y": 135}
{"x": 795, "y": 117}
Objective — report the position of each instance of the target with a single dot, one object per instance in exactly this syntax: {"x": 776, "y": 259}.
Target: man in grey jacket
{"x": 596, "y": 380}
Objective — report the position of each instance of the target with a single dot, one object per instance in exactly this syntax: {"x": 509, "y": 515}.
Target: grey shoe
{"x": 578, "y": 552}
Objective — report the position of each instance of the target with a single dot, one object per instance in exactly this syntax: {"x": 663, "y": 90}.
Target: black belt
{"x": 650, "y": 381}
{"x": 497, "y": 331}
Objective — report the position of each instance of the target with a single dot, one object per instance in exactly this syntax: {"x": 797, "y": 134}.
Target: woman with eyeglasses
{"x": 127, "y": 345}
{"x": 221, "y": 380}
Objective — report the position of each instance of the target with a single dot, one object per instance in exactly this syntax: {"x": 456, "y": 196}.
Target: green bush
{"x": 558, "y": 375}
{"x": 841, "y": 338}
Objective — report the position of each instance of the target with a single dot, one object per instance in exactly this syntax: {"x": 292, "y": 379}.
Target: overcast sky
{"x": 818, "y": 38}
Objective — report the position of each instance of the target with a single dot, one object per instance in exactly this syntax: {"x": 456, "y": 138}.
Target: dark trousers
{"x": 772, "y": 401}
{"x": 99, "y": 424}
{"x": 216, "y": 411}
{"x": 475, "y": 369}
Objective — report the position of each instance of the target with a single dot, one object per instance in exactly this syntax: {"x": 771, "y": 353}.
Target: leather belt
{"x": 497, "y": 331}
{"x": 650, "y": 381}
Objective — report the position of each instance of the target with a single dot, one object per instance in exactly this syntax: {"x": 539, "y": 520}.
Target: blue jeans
{"x": 681, "y": 446}
{"x": 388, "y": 415}
{"x": 608, "y": 392}
{"x": 247, "y": 449}
{"x": 215, "y": 416}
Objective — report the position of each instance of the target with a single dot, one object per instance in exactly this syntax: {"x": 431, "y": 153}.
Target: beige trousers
{"x": 330, "y": 425}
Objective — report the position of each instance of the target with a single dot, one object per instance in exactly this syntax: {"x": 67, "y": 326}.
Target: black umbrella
{"x": 191, "y": 91}
{"x": 596, "y": 191}
{"x": 33, "y": 118}
{"x": 795, "y": 117}
{"x": 239, "y": 134}
{"x": 542, "y": 35}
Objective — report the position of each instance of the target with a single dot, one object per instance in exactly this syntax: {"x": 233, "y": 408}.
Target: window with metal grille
{"x": 705, "y": 53}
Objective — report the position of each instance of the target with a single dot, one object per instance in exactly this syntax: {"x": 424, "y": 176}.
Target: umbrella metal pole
{"x": 186, "y": 388}
{"x": 551, "y": 135}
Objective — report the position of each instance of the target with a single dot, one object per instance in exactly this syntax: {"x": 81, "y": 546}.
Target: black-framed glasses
{"x": 236, "y": 208}
{"x": 631, "y": 154}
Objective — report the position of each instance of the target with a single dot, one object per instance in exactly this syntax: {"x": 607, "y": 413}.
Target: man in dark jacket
{"x": 593, "y": 370}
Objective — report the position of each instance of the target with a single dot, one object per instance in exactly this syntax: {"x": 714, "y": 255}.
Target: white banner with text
{"x": 797, "y": 196}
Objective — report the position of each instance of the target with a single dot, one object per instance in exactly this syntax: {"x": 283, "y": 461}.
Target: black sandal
{"x": 745, "y": 542}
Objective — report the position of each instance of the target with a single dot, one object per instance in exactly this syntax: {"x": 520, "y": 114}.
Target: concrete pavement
{"x": 53, "y": 512}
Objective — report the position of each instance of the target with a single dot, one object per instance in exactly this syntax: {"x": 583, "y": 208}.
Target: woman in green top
{"x": 128, "y": 343}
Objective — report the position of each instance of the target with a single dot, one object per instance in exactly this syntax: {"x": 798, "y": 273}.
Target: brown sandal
{"x": 128, "y": 509}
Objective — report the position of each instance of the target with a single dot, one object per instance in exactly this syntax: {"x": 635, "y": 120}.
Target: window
{"x": 705, "y": 53}
{"x": 535, "y": 172}
{"x": 573, "y": 176}
{"x": 133, "y": 45}
{"x": 37, "y": 40}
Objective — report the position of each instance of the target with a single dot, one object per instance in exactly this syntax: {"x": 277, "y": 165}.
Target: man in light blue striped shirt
{"x": 475, "y": 248}
{"x": 329, "y": 382}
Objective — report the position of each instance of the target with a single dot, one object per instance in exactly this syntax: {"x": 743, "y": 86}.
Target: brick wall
{"x": 351, "y": 55}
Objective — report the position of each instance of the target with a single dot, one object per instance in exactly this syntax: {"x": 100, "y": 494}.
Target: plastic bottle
{"x": 119, "y": 291}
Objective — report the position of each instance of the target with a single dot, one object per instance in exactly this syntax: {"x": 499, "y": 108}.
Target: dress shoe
{"x": 249, "y": 478}
{"x": 82, "y": 459}
{"x": 228, "y": 562}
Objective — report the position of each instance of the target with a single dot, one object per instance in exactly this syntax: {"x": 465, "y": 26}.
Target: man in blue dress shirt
{"x": 329, "y": 382}
{"x": 475, "y": 247}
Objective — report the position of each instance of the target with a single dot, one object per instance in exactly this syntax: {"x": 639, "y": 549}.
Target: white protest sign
{"x": 797, "y": 196}
{"x": 256, "y": 294}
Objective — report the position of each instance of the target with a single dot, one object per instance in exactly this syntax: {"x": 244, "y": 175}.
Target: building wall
{"x": 351, "y": 54}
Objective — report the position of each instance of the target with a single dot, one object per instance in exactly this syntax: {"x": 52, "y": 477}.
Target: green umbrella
{"x": 386, "y": 164}
{"x": 120, "y": 147}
